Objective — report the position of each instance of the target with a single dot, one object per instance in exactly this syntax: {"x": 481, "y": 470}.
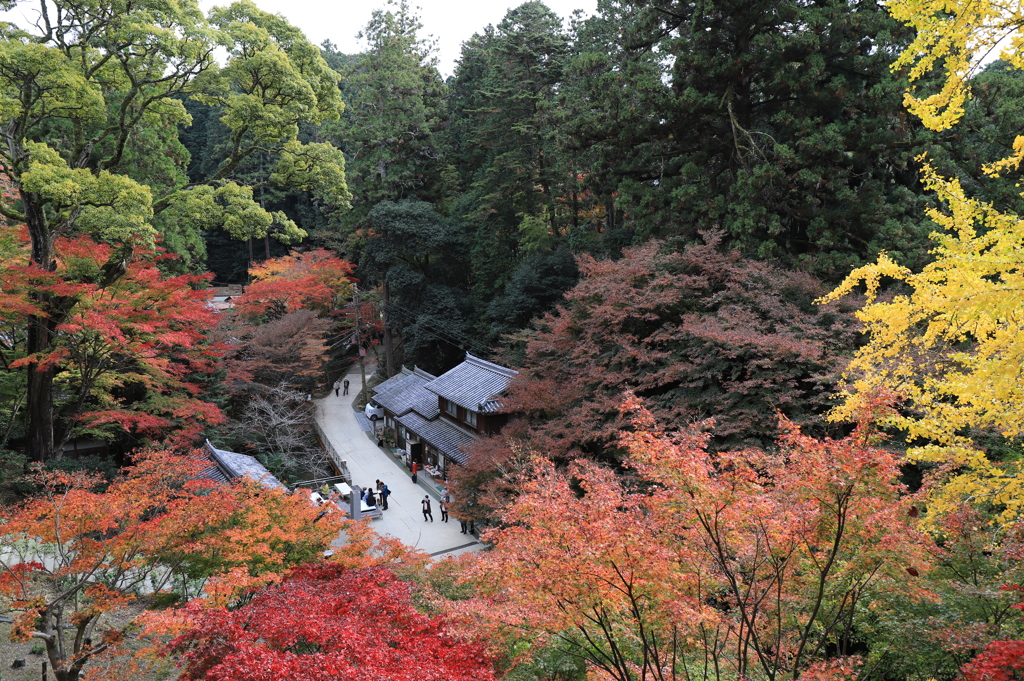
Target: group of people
{"x": 338, "y": 385}
{"x": 371, "y": 499}
{"x": 442, "y": 504}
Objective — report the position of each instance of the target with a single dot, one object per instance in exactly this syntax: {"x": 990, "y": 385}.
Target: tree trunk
{"x": 39, "y": 404}
{"x": 389, "y": 355}
{"x": 39, "y": 382}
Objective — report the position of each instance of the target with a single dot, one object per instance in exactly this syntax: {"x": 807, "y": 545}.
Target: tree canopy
{"x": 82, "y": 87}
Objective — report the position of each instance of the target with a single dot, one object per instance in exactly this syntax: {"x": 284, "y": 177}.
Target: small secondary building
{"x": 227, "y": 466}
{"x": 435, "y": 418}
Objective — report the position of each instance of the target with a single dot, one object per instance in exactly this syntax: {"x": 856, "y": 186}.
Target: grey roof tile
{"x": 236, "y": 465}
{"x": 440, "y": 434}
{"x": 408, "y": 394}
{"x": 476, "y": 384}
{"x": 384, "y": 386}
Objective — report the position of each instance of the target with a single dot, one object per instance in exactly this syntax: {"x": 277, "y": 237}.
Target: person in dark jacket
{"x": 426, "y": 509}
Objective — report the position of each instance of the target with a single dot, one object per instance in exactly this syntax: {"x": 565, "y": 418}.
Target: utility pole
{"x": 389, "y": 361}
{"x": 359, "y": 341}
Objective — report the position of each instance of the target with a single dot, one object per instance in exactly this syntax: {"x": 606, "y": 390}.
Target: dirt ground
{"x": 34, "y": 654}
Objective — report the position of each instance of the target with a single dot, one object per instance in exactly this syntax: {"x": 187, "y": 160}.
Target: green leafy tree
{"x": 84, "y": 82}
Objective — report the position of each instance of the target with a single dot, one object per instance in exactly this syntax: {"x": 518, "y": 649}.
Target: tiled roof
{"x": 235, "y": 465}
{"x": 407, "y": 393}
{"x": 214, "y": 473}
{"x": 384, "y": 386}
{"x": 440, "y": 434}
{"x": 475, "y": 384}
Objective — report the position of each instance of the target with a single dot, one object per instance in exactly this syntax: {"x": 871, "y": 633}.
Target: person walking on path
{"x": 462, "y": 523}
{"x": 444, "y": 510}
{"x": 337, "y": 388}
{"x": 426, "y": 509}
{"x": 344, "y": 385}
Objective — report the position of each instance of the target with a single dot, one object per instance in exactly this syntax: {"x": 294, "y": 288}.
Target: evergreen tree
{"x": 779, "y": 122}
{"x": 395, "y": 108}
{"x": 503, "y": 121}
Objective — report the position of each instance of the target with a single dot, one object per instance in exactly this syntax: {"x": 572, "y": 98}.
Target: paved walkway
{"x": 367, "y": 463}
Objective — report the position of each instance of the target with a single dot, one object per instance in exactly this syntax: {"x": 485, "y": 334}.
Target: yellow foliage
{"x": 955, "y": 35}
{"x": 952, "y": 347}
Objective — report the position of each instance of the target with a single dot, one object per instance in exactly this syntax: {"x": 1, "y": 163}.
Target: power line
{"x": 450, "y": 336}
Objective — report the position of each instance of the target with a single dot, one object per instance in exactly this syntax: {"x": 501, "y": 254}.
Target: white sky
{"x": 450, "y": 21}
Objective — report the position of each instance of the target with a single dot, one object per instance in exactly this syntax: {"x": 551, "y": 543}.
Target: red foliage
{"x": 74, "y": 553}
{"x": 290, "y": 349}
{"x": 129, "y": 348}
{"x": 1000, "y": 661}
{"x": 316, "y": 281}
{"x": 752, "y": 561}
{"x": 697, "y": 334}
{"x": 327, "y": 621}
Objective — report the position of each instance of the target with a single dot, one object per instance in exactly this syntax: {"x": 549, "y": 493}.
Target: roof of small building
{"x": 234, "y": 465}
{"x": 440, "y": 434}
{"x": 384, "y": 386}
{"x": 475, "y": 384}
{"x": 407, "y": 393}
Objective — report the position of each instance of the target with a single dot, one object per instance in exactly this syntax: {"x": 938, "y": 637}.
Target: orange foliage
{"x": 317, "y": 281}
{"x": 76, "y": 552}
{"x": 749, "y": 563}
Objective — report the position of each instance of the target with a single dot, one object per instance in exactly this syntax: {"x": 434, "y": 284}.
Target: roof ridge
{"x": 217, "y": 457}
{"x": 423, "y": 374}
{"x": 484, "y": 364}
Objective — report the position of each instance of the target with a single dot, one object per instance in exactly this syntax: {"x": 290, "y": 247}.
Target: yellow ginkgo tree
{"x": 951, "y": 346}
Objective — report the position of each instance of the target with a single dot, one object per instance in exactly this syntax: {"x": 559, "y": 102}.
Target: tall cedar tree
{"x": 779, "y": 122}
{"x": 414, "y": 252}
{"x": 395, "y": 109}
{"x": 503, "y": 117}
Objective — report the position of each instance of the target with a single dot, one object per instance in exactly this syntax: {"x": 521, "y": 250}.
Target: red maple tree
{"x": 317, "y": 280}
{"x": 1000, "y": 660}
{"x": 328, "y": 621}
{"x": 698, "y": 565}
{"x": 128, "y": 351}
{"x": 78, "y": 551}
{"x": 698, "y": 333}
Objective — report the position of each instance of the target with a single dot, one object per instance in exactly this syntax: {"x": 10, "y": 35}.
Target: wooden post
{"x": 362, "y": 350}
{"x": 389, "y": 361}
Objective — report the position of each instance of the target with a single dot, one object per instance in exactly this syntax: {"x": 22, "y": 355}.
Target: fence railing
{"x": 340, "y": 464}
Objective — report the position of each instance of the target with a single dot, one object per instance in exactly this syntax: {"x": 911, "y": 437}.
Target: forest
{"x": 758, "y": 265}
